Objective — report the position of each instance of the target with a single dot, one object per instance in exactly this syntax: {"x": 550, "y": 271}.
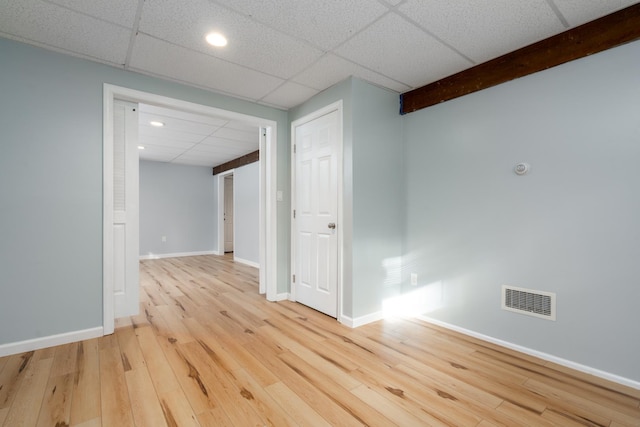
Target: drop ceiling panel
{"x": 578, "y": 12}
{"x": 172, "y": 123}
{"x": 237, "y": 135}
{"x": 169, "y": 134}
{"x": 251, "y": 44}
{"x": 121, "y": 12}
{"x": 182, "y": 115}
{"x": 331, "y": 69}
{"x": 403, "y": 52}
{"x": 323, "y": 23}
{"x": 484, "y": 30}
{"x": 289, "y": 95}
{"x": 160, "y": 58}
{"x": 51, "y": 26}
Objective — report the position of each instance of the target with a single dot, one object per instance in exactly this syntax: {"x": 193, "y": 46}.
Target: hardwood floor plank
{"x": 56, "y": 404}
{"x": 65, "y": 360}
{"x": 12, "y": 376}
{"x": 145, "y": 405}
{"x": 206, "y": 349}
{"x": 86, "y": 398}
{"x": 199, "y": 393}
{"x": 176, "y": 409}
{"x": 236, "y": 404}
{"x": 28, "y": 400}
{"x": 297, "y": 408}
{"x": 116, "y": 405}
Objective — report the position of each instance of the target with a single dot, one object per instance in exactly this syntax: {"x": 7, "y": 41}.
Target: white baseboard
{"x": 362, "y": 320}
{"x": 247, "y": 262}
{"x": 177, "y": 255}
{"x": 548, "y": 357}
{"x": 49, "y": 341}
{"x": 283, "y": 296}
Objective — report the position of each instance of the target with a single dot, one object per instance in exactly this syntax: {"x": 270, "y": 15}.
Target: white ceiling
{"x": 192, "y": 139}
{"x": 282, "y": 52}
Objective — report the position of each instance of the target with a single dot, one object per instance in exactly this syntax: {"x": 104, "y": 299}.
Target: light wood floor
{"x": 208, "y": 350}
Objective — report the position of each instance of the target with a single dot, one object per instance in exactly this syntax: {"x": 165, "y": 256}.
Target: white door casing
{"x": 228, "y": 213}
{"x": 125, "y": 209}
{"x": 317, "y": 141}
{"x": 268, "y": 176}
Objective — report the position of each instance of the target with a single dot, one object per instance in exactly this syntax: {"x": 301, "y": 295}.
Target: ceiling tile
{"x": 403, "y": 52}
{"x": 331, "y": 69}
{"x": 323, "y": 23}
{"x": 483, "y": 30}
{"x": 182, "y": 115}
{"x": 578, "y": 12}
{"x": 164, "y": 133}
{"x": 173, "y": 124}
{"x": 159, "y": 58}
{"x": 57, "y": 27}
{"x": 121, "y": 12}
{"x": 251, "y": 44}
{"x": 289, "y": 95}
{"x": 238, "y": 135}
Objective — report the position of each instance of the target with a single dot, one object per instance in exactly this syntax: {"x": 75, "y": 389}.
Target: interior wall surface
{"x": 569, "y": 226}
{"x": 51, "y": 179}
{"x": 246, "y": 218}
{"x": 177, "y": 203}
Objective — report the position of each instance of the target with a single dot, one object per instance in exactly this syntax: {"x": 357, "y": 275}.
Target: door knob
{"x": 332, "y": 225}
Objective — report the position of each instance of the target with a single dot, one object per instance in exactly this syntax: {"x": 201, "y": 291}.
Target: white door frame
{"x": 268, "y": 175}
{"x": 221, "y": 193}
{"x": 336, "y": 106}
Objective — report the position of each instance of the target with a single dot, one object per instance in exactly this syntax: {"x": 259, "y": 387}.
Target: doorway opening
{"x": 267, "y": 208}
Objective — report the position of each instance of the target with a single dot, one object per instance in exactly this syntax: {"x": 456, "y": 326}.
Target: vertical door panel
{"x": 316, "y": 189}
{"x": 125, "y": 210}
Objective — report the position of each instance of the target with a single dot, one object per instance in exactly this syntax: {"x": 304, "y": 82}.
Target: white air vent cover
{"x": 529, "y": 302}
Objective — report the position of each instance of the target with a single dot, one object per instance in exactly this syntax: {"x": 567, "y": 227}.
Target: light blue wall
{"x": 570, "y": 226}
{"x": 51, "y": 186}
{"x": 246, "y": 212}
{"x": 372, "y": 191}
{"x": 378, "y": 197}
{"x": 177, "y": 201}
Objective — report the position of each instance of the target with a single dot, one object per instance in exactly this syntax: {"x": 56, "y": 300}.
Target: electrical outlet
{"x": 414, "y": 279}
{"x": 164, "y": 239}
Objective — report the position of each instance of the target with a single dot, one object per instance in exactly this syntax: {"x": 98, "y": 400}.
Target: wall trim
{"x": 283, "y": 296}
{"x": 247, "y": 262}
{"x": 50, "y": 341}
{"x": 545, "y": 356}
{"x": 362, "y": 320}
{"x": 177, "y": 255}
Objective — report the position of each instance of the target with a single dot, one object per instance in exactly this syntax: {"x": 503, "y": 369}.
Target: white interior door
{"x": 316, "y": 212}
{"x": 228, "y": 213}
{"x": 125, "y": 209}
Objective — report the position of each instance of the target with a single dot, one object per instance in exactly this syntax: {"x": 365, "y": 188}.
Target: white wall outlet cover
{"x": 521, "y": 168}
{"x": 414, "y": 279}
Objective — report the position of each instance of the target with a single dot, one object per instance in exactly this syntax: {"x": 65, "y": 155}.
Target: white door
{"x": 228, "y": 213}
{"x": 316, "y": 211}
{"x": 125, "y": 209}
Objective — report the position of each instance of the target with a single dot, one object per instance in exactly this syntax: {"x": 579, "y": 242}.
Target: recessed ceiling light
{"x": 216, "y": 39}
{"x": 156, "y": 123}
{"x": 140, "y": 147}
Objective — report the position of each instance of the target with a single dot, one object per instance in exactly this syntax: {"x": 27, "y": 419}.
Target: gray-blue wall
{"x": 246, "y": 212}
{"x": 570, "y": 226}
{"x": 177, "y": 201}
{"x": 51, "y": 186}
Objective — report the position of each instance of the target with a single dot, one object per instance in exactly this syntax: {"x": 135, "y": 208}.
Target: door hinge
{"x": 294, "y": 278}
{"x": 294, "y": 214}
{"x": 294, "y": 148}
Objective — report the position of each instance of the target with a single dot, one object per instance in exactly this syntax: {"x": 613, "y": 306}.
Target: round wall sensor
{"x": 521, "y": 168}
